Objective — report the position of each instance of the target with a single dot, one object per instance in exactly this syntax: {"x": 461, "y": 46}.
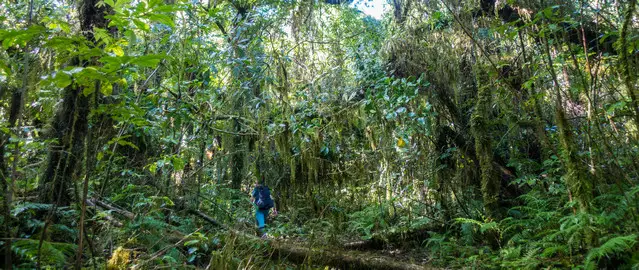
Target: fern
{"x": 483, "y": 227}
{"x": 53, "y": 253}
{"x": 367, "y": 220}
{"x": 469, "y": 221}
{"x": 511, "y": 253}
{"x": 613, "y": 246}
{"x": 555, "y": 249}
{"x": 29, "y": 206}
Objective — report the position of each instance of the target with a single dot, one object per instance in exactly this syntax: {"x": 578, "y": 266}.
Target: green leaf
{"x": 4, "y": 69}
{"x": 88, "y": 89}
{"x": 62, "y": 80}
{"x": 120, "y": 141}
{"x": 73, "y": 70}
{"x": 161, "y": 18}
{"x": 117, "y": 50}
{"x": 120, "y": 4}
{"x": 167, "y": 8}
{"x": 191, "y": 242}
{"x": 141, "y": 25}
{"x": 178, "y": 163}
{"x": 61, "y": 43}
{"x": 21, "y": 37}
{"x": 147, "y": 60}
{"x": 153, "y": 167}
{"x": 547, "y": 12}
{"x": 101, "y": 35}
{"x": 91, "y": 74}
{"x": 106, "y": 89}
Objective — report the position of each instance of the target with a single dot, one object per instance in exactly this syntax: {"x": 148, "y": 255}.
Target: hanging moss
{"x": 626, "y": 62}
{"x": 576, "y": 177}
{"x": 490, "y": 183}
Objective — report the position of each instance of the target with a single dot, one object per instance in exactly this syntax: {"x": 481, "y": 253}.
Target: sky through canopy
{"x": 373, "y": 8}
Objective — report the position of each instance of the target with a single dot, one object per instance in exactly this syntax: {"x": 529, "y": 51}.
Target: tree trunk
{"x": 7, "y": 177}
{"x": 237, "y": 160}
{"x": 490, "y": 184}
{"x": 70, "y": 123}
{"x": 626, "y": 64}
{"x": 576, "y": 179}
{"x": 444, "y": 173}
{"x": 70, "y": 128}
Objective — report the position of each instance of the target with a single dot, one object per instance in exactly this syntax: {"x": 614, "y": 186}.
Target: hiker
{"x": 263, "y": 204}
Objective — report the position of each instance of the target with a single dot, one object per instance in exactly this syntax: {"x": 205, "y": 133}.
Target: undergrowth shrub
{"x": 368, "y": 220}
{"x": 547, "y": 232}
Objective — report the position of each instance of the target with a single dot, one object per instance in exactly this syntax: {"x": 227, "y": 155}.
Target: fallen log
{"x": 381, "y": 241}
{"x": 339, "y": 259}
{"x": 206, "y": 217}
{"x": 94, "y": 202}
{"x": 373, "y": 243}
{"x": 335, "y": 258}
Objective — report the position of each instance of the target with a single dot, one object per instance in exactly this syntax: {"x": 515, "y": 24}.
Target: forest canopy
{"x": 452, "y": 134}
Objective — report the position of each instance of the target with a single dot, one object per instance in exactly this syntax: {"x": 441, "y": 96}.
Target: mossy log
{"x": 396, "y": 239}
{"x": 338, "y": 258}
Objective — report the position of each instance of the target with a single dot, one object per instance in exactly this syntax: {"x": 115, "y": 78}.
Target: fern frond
{"x": 552, "y": 250}
{"x": 468, "y": 220}
{"x": 613, "y": 246}
{"x": 29, "y": 206}
{"x": 53, "y": 253}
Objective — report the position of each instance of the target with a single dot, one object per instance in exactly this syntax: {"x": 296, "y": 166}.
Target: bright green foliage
{"x": 51, "y": 253}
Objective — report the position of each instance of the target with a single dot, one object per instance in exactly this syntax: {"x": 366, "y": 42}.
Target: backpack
{"x": 264, "y": 201}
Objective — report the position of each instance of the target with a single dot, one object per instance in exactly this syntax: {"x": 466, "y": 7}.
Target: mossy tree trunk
{"x": 6, "y": 175}
{"x": 627, "y": 65}
{"x": 239, "y": 41}
{"x": 6, "y": 209}
{"x": 70, "y": 123}
{"x": 579, "y": 186}
{"x": 490, "y": 183}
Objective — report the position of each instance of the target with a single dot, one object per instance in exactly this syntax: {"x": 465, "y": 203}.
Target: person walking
{"x": 263, "y": 203}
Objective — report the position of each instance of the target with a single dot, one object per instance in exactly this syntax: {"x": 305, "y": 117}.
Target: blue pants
{"x": 260, "y": 217}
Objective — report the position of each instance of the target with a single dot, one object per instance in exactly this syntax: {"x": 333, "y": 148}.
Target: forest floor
{"x": 303, "y": 253}
{"x": 350, "y": 254}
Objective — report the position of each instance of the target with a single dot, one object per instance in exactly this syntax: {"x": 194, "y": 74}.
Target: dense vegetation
{"x": 480, "y": 134}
